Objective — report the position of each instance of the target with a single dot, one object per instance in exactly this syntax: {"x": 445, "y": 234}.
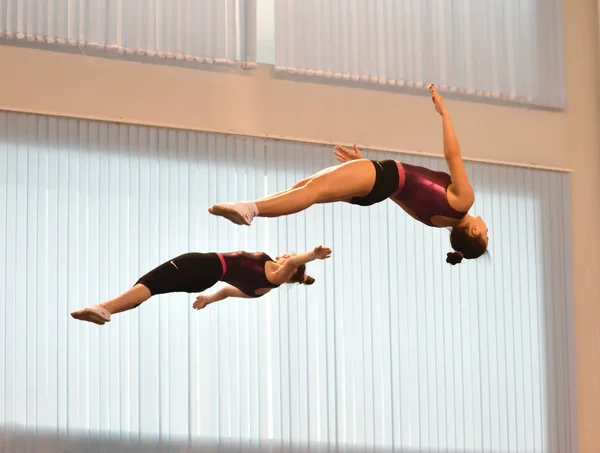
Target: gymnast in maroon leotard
{"x": 249, "y": 275}
{"x": 437, "y": 199}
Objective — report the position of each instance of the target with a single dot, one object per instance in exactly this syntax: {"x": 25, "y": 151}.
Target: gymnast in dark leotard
{"x": 437, "y": 199}
{"x": 250, "y": 275}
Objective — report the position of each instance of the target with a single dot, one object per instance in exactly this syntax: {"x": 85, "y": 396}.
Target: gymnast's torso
{"x": 424, "y": 197}
{"x": 246, "y": 271}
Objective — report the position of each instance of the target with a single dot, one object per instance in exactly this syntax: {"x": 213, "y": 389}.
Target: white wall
{"x": 254, "y": 103}
{"x": 265, "y": 33}
{"x": 583, "y": 149}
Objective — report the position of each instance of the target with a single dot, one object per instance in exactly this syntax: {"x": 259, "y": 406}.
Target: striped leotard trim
{"x": 223, "y": 264}
{"x": 401, "y": 178}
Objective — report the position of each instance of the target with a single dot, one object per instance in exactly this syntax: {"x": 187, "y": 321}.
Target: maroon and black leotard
{"x": 196, "y": 272}
{"x": 424, "y": 193}
{"x": 421, "y": 190}
{"x": 245, "y": 271}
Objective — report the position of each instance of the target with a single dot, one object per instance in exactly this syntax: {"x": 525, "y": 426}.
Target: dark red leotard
{"x": 424, "y": 194}
{"x": 246, "y": 271}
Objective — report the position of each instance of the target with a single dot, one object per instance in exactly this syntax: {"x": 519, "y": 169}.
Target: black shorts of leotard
{"x": 387, "y": 178}
{"x": 187, "y": 273}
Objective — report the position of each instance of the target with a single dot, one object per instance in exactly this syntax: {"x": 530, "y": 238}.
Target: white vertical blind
{"x": 510, "y": 50}
{"x": 390, "y": 347}
{"x": 206, "y": 31}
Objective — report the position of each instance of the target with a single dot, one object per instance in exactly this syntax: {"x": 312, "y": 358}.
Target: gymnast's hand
{"x": 201, "y": 302}
{"x": 437, "y": 101}
{"x": 321, "y": 252}
{"x": 346, "y": 155}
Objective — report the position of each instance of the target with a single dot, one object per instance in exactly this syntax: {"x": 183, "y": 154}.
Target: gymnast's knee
{"x": 153, "y": 283}
{"x": 315, "y": 191}
{"x": 300, "y": 184}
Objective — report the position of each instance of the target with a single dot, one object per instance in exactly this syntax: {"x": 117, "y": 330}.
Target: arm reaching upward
{"x": 460, "y": 187}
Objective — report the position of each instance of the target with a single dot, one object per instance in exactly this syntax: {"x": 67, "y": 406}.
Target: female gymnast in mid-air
{"x": 248, "y": 274}
{"x": 437, "y": 199}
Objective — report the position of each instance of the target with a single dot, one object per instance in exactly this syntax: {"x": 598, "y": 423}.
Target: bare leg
{"x": 298, "y": 184}
{"x": 351, "y": 179}
{"x": 100, "y": 314}
{"x": 128, "y": 300}
{"x": 295, "y": 186}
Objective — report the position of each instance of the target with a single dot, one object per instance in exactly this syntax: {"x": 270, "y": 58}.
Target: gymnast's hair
{"x": 301, "y": 277}
{"x": 465, "y": 246}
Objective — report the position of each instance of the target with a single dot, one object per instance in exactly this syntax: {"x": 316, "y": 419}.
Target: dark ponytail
{"x": 308, "y": 280}
{"x": 301, "y": 277}
{"x": 454, "y": 258}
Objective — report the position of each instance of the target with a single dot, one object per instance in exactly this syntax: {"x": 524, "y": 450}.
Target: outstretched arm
{"x": 460, "y": 187}
{"x": 318, "y": 252}
{"x": 285, "y": 272}
{"x": 227, "y": 291}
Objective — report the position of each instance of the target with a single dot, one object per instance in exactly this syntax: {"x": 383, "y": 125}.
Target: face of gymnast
{"x": 300, "y": 275}
{"x": 479, "y": 228}
{"x": 469, "y": 239}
